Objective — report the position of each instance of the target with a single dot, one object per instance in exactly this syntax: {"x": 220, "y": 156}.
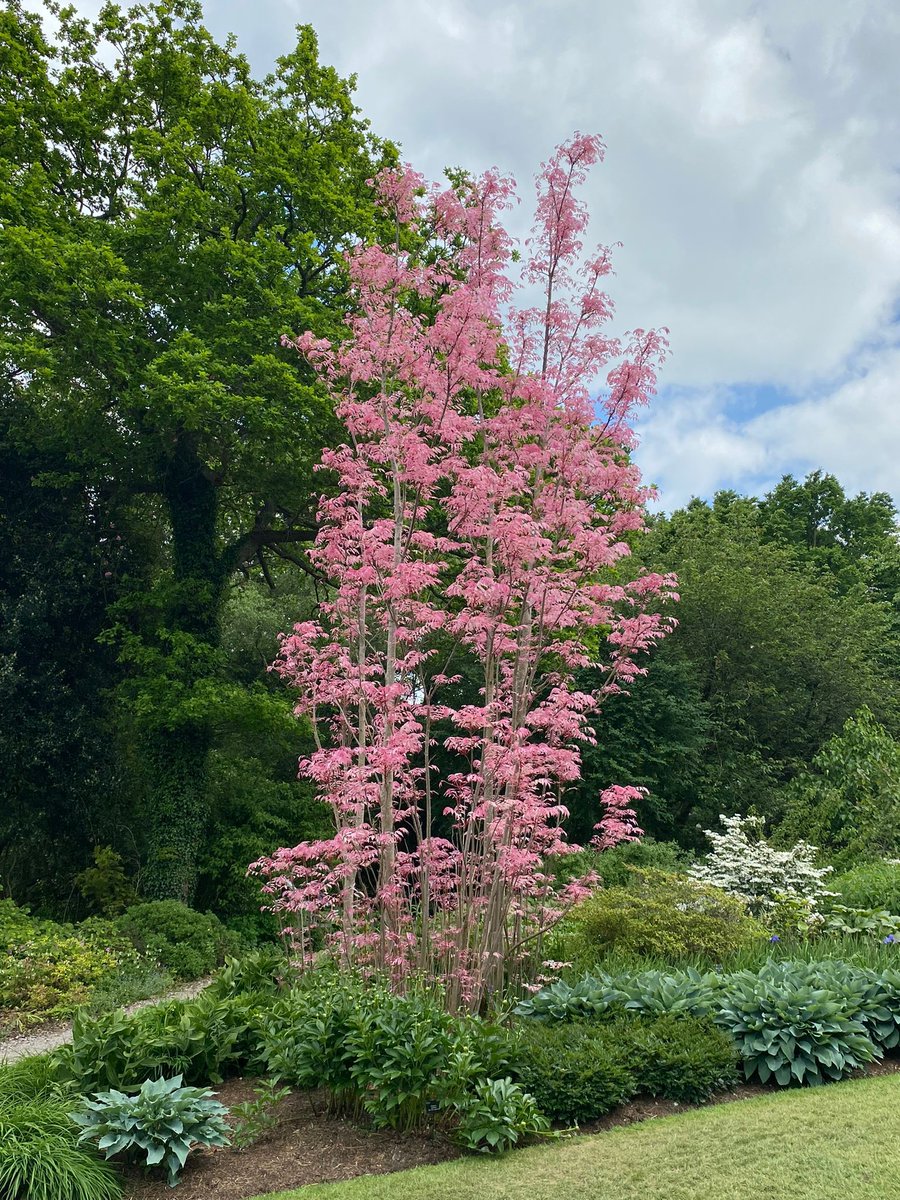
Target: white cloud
{"x": 695, "y": 441}
{"x": 751, "y": 175}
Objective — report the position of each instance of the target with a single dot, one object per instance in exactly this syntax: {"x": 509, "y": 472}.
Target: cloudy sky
{"x": 751, "y": 175}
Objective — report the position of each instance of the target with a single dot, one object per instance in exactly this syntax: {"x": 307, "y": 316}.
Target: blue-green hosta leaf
{"x": 155, "y": 1153}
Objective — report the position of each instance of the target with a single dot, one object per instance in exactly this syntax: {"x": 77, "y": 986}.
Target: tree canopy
{"x": 165, "y": 218}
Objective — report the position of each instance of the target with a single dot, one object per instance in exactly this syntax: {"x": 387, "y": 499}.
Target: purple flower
{"x": 774, "y": 938}
{"x": 889, "y": 940}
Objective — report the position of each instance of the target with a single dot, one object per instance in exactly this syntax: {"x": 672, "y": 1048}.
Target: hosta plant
{"x": 684, "y": 992}
{"x": 872, "y": 998}
{"x": 875, "y": 921}
{"x": 591, "y": 996}
{"x": 498, "y": 1116}
{"x": 788, "y": 1030}
{"x": 163, "y": 1122}
{"x": 649, "y": 992}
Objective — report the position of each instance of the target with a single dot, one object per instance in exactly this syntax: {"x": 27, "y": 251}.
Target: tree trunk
{"x": 177, "y": 751}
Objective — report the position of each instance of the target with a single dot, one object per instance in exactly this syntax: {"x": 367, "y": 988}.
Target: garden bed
{"x": 310, "y": 1147}
{"x": 307, "y": 1147}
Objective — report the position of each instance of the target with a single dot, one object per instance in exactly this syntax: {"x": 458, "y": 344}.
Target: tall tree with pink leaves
{"x": 484, "y": 503}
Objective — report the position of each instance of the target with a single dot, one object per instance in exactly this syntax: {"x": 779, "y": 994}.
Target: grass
{"x": 831, "y": 1143}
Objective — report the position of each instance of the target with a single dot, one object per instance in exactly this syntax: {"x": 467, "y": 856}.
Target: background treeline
{"x": 164, "y": 218}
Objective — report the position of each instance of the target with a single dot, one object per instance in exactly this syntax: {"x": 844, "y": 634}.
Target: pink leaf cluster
{"x": 619, "y": 822}
{"x": 480, "y": 523}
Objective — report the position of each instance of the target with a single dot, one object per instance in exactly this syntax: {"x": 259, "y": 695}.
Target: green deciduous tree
{"x": 848, "y": 801}
{"x": 164, "y": 218}
{"x": 775, "y": 649}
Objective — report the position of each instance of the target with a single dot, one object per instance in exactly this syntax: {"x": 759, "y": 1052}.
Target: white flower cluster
{"x": 743, "y": 863}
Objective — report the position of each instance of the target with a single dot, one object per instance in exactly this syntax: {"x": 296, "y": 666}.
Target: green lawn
{"x": 832, "y": 1143}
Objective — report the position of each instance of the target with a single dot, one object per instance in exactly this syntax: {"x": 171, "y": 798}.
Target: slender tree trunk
{"x": 177, "y": 750}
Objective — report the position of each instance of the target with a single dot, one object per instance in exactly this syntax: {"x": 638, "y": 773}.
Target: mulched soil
{"x": 307, "y": 1147}
{"x": 311, "y": 1147}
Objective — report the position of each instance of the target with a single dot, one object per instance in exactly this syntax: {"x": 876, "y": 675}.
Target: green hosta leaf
{"x": 163, "y": 1119}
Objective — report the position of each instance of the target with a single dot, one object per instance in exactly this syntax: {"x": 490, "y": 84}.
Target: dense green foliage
{"x": 848, "y": 798}
{"x": 47, "y": 969}
{"x": 189, "y": 944}
{"x": 870, "y": 885}
{"x": 40, "y": 1158}
{"x": 788, "y": 626}
{"x": 394, "y": 1059}
{"x": 665, "y": 914}
{"x": 393, "y": 1056}
{"x": 682, "y": 1058}
{"x": 497, "y": 1116}
{"x": 162, "y": 1121}
{"x": 791, "y": 1021}
{"x": 205, "y": 1040}
{"x": 575, "y": 1072}
{"x": 165, "y": 218}
{"x": 789, "y": 1029}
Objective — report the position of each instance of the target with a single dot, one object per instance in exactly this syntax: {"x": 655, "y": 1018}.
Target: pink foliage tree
{"x": 481, "y": 516}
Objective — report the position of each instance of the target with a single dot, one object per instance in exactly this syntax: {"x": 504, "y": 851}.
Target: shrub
{"x": 163, "y": 1120}
{"x": 680, "y": 1057}
{"x": 55, "y": 968}
{"x": 187, "y": 943}
{"x": 16, "y": 925}
{"x": 202, "y": 1039}
{"x": 743, "y": 864}
{"x": 613, "y": 866}
{"x": 40, "y": 1158}
{"x": 575, "y": 1072}
{"x": 790, "y": 1030}
{"x": 874, "y": 885}
{"x": 792, "y": 1021}
{"x": 498, "y": 1116}
{"x": 666, "y": 915}
{"x": 393, "y": 1056}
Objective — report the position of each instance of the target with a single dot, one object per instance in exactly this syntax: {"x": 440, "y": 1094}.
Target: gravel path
{"x": 48, "y": 1037}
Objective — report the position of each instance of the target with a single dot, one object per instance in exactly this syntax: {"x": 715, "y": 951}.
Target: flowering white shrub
{"x": 743, "y": 863}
